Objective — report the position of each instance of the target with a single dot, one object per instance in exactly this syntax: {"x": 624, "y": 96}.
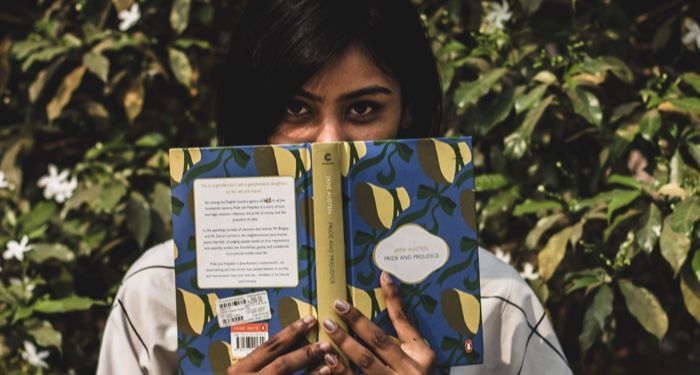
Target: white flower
{"x": 33, "y": 357}
{"x": 17, "y": 250}
{"x": 692, "y": 34}
{"x": 129, "y": 17}
{"x": 529, "y": 272}
{"x": 3, "y": 181}
{"x": 505, "y": 257}
{"x": 26, "y": 283}
{"x": 499, "y": 14}
{"x": 57, "y": 185}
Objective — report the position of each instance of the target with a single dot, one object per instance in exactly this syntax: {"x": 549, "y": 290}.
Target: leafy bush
{"x": 585, "y": 115}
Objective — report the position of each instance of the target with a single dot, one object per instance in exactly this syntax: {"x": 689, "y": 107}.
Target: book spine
{"x": 328, "y": 231}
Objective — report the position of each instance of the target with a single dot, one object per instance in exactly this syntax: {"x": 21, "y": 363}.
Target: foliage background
{"x": 586, "y": 118}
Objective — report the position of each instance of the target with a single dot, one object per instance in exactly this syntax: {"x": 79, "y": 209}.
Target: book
{"x": 267, "y": 234}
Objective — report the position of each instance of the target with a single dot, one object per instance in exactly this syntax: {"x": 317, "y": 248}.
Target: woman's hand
{"x": 274, "y": 357}
{"x": 381, "y": 355}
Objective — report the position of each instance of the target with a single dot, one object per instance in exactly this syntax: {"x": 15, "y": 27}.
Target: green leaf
{"x": 543, "y": 224}
{"x": 97, "y": 64}
{"x": 595, "y": 318}
{"x": 588, "y": 279}
{"x": 650, "y": 124}
{"x": 685, "y": 215}
{"x": 650, "y": 230}
{"x": 180, "y": 65}
{"x": 531, "y": 206}
{"x": 111, "y": 194}
{"x": 623, "y": 110}
{"x": 72, "y": 303}
{"x": 674, "y": 245}
{"x": 45, "y": 251}
{"x": 552, "y": 254}
{"x": 586, "y": 105}
{"x": 662, "y": 35}
{"x": 486, "y": 116}
{"x": 695, "y": 264}
{"x": 43, "y": 333}
{"x": 64, "y": 93}
{"x": 620, "y": 199}
{"x": 693, "y": 80}
{"x": 471, "y": 92}
{"x": 527, "y": 101}
{"x": 185, "y": 43}
{"x": 138, "y": 217}
{"x": 488, "y": 182}
{"x": 176, "y": 205}
{"x": 518, "y": 142}
{"x": 645, "y": 307}
{"x": 688, "y": 104}
{"x": 151, "y": 140}
{"x": 530, "y": 6}
{"x": 619, "y": 219}
{"x": 180, "y": 15}
{"x": 38, "y": 216}
{"x": 624, "y": 180}
{"x": 690, "y": 289}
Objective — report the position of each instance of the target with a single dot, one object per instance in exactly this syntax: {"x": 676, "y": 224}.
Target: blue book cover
{"x": 253, "y": 247}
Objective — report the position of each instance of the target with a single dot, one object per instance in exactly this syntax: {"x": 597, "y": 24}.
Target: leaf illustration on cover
{"x": 193, "y": 312}
{"x": 220, "y": 357}
{"x": 181, "y": 160}
{"x": 278, "y": 161}
{"x": 291, "y": 309}
{"x": 307, "y": 216}
{"x": 467, "y": 204}
{"x": 438, "y": 160}
{"x": 377, "y": 206}
{"x": 462, "y": 311}
{"x": 352, "y": 153}
{"x": 370, "y": 304}
{"x": 200, "y": 169}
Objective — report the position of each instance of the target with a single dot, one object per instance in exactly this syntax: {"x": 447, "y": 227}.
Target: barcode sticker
{"x": 246, "y": 337}
{"x": 246, "y": 308}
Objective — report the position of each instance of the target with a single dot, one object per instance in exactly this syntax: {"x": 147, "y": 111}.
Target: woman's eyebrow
{"x": 369, "y": 90}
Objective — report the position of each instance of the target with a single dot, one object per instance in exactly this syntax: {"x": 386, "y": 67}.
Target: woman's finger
{"x": 404, "y": 329}
{"x": 377, "y": 340}
{"x": 298, "y": 359}
{"x": 331, "y": 365}
{"x": 357, "y": 353}
{"x": 276, "y": 345}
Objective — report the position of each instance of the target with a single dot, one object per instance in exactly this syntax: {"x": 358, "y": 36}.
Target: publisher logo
{"x": 327, "y": 156}
{"x": 468, "y": 346}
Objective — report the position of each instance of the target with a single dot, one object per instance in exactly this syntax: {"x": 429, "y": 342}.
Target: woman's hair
{"x": 280, "y": 44}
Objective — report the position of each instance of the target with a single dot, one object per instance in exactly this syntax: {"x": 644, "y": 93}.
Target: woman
{"x": 328, "y": 70}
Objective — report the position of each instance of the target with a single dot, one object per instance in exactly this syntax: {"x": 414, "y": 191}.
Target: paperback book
{"x": 267, "y": 234}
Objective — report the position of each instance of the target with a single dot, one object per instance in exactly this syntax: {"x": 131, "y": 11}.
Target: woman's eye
{"x": 361, "y": 109}
{"x": 297, "y": 108}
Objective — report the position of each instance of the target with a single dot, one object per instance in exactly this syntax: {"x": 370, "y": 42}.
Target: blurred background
{"x": 585, "y": 117}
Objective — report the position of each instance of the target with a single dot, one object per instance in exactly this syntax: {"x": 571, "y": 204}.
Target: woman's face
{"x": 349, "y": 99}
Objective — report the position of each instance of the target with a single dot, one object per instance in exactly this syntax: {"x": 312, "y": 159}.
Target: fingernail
{"x": 330, "y": 360}
{"x": 326, "y": 347}
{"x": 387, "y": 277}
{"x": 330, "y": 325}
{"x": 308, "y": 319}
{"x": 324, "y": 371}
{"x": 341, "y": 306}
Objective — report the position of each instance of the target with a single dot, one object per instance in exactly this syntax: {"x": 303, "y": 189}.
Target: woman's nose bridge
{"x": 330, "y": 129}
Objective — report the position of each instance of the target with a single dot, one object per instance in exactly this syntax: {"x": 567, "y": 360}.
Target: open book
{"x": 265, "y": 235}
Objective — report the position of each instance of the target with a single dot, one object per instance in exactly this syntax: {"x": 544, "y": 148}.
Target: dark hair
{"x": 280, "y": 44}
